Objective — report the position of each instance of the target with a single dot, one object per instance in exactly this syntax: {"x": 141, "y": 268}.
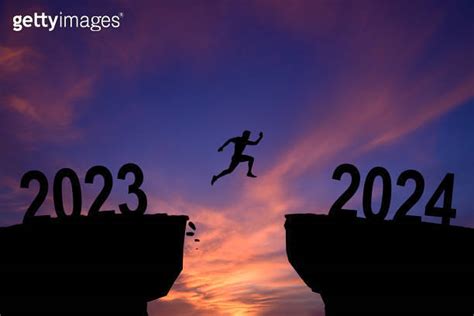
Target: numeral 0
{"x": 75, "y": 185}
{"x": 386, "y": 193}
{"x": 58, "y": 193}
{"x": 446, "y": 212}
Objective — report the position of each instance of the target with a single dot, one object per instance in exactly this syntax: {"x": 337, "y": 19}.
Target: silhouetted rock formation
{"x": 384, "y": 268}
{"x": 110, "y": 264}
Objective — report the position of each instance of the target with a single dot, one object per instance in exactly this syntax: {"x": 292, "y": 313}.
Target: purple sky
{"x": 387, "y": 83}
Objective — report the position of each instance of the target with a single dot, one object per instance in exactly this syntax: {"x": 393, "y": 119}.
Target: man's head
{"x": 246, "y": 134}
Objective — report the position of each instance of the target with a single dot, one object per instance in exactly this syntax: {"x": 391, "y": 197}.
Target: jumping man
{"x": 239, "y": 145}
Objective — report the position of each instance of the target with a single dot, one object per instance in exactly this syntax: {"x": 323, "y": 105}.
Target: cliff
{"x": 383, "y": 268}
{"x": 110, "y": 264}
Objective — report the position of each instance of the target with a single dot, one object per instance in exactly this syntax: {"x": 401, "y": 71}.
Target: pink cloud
{"x": 239, "y": 269}
{"x": 43, "y": 116}
{"x": 378, "y": 101}
{"x": 22, "y": 106}
{"x": 14, "y": 59}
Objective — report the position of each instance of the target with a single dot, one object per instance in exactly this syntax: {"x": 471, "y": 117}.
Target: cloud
{"x": 23, "y": 107}
{"x": 175, "y": 307}
{"x": 386, "y": 86}
{"x": 384, "y": 83}
{"x": 44, "y": 114}
{"x": 45, "y": 82}
{"x": 158, "y": 33}
{"x": 381, "y": 95}
{"x": 238, "y": 269}
{"x": 14, "y": 59}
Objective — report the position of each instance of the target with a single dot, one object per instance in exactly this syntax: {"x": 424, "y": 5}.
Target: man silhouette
{"x": 239, "y": 145}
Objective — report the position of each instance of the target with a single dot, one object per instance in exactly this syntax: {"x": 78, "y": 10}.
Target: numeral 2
{"x": 104, "y": 193}
{"x": 401, "y": 214}
{"x": 42, "y": 193}
{"x": 337, "y": 207}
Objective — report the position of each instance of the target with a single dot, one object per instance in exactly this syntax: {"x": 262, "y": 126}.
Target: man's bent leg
{"x": 250, "y": 161}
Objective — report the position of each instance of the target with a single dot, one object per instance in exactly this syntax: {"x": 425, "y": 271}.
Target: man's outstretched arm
{"x": 225, "y": 144}
{"x": 260, "y": 136}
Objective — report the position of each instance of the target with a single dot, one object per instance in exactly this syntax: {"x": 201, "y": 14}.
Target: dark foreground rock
{"x": 384, "y": 268}
{"x": 107, "y": 265}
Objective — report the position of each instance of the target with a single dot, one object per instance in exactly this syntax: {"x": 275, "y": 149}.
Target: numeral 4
{"x": 446, "y": 212}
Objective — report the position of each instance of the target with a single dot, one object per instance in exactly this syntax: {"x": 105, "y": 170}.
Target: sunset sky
{"x": 372, "y": 83}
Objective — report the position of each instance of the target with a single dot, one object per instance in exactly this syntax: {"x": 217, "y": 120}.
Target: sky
{"x": 372, "y": 83}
